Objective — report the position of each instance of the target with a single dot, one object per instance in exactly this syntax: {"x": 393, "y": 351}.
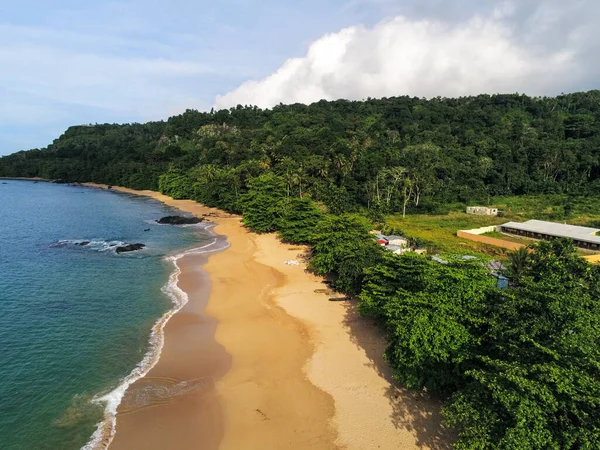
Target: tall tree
{"x": 534, "y": 383}
{"x": 432, "y": 312}
{"x": 342, "y": 247}
{"x": 297, "y": 220}
{"x": 421, "y": 162}
{"x": 261, "y": 205}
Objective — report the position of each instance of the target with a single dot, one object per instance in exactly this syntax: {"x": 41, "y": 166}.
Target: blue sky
{"x": 70, "y": 62}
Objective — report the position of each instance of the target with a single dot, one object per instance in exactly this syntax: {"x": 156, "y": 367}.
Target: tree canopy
{"x": 388, "y": 155}
{"x": 518, "y": 367}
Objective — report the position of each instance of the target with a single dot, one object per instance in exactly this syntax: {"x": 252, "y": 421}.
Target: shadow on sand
{"x": 414, "y": 411}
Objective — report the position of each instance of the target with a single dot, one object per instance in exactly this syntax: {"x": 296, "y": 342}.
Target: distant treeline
{"x": 385, "y": 155}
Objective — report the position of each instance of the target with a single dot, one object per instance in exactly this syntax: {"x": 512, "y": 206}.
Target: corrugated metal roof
{"x": 395, "y": 238}
{"x": 575, "y": 232}
{"x": 496, "y": 266}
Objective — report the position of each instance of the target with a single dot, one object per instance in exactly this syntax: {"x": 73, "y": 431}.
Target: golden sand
{"x": 268, "y": 362}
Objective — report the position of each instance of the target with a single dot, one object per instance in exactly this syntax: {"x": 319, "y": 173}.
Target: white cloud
{"x": 67, "y": 62}
{"x": 427, "y": 57}
{"x": 83, "y": 71}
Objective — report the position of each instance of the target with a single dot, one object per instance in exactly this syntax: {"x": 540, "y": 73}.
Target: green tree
{"x": 432, "y": 311}
{"x": 421, "y": 163}
{"x": 517, "y": 264}
{"x": 262, "y": 204}
{"x": 298, "y": 218}
{"x": 534, "y": 383}
{"x": 343, "y": 248}
{"x": 175, "y": 184}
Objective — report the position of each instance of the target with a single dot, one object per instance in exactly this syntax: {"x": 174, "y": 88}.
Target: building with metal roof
{"x": 583, "y": 237}
{"x": 397, "y": 240}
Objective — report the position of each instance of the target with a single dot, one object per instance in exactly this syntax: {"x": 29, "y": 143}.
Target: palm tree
{"x": 517, "y": 264}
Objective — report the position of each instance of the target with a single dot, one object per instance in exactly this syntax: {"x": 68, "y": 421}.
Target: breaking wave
{"x": 106, "y": 429}
{"x": 98, "y": 245}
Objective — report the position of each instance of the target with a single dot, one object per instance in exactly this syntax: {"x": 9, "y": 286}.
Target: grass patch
{"x": 438, "y": 232}
{"x": 576, "y": 210}
{"x": 508, "y": 237}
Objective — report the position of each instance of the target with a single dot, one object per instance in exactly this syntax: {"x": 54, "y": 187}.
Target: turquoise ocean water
{"x": 77, "y": 321}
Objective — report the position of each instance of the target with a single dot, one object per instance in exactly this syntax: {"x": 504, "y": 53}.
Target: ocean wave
{"x": 106, "y": 430}
{"x": 99, "y": 245}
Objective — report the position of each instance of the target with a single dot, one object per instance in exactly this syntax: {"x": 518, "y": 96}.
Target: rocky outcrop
{"x": 179, "y": 220}
{"x": 129, "y": 248}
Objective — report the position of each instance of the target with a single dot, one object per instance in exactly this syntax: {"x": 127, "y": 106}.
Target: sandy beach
{"x": 260, "y": 359}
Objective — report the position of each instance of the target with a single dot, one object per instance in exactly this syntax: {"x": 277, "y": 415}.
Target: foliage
{"x": 220, "y": 187}
{"x": 519, "y": 366}
{"x": 393, "y": 153}
{"x": 175, "y": 184}
{"x": 298, "y": 218}
{"x": 263, "y": 203}
{"x": 432, "y": 312}
{"x": 536, "y": 382}
{"x": 517, "y": 264}
{"x": 342, "y": 247}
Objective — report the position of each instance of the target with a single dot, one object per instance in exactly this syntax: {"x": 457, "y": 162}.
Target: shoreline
{"x": 106, "y": 431}
{"x": 333, "y": 391}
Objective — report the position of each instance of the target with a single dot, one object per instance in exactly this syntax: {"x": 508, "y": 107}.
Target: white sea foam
{"x": 105, "y": 430}
{"x": 99, "y": 245}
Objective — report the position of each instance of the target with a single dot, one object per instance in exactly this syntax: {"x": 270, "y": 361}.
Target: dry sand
{"x": 268, "y": 363}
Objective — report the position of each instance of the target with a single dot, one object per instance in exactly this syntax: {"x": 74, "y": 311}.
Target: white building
{"x": 482, "y": 210}
{"x": 583, "y": 237}
{"x": 397, "y": 240}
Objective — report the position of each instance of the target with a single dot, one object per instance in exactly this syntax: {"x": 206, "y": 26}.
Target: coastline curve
{"x": 106, "y": 429}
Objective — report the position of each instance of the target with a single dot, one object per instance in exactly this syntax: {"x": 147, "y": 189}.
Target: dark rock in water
{"x": 129, "y": 248}
{"x": 4, "y": 182}
{"x": 83, "y": 243}
{"x": 179, "y": 220}
{"x": 59, "y": 181}
{"x": 109, "y": 187}
{"x": 147, "y": 229}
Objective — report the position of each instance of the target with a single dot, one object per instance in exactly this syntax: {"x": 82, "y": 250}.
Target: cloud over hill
{"x": 539, "y": 50}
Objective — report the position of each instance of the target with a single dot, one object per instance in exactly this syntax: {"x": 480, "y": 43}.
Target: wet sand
{"x": 176, "y": 405}
{"x": 268, "y": 363}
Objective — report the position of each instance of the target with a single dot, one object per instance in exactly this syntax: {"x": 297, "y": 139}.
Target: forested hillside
{"x": 517, "y": 368}
{"x": 381, "y": 154}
